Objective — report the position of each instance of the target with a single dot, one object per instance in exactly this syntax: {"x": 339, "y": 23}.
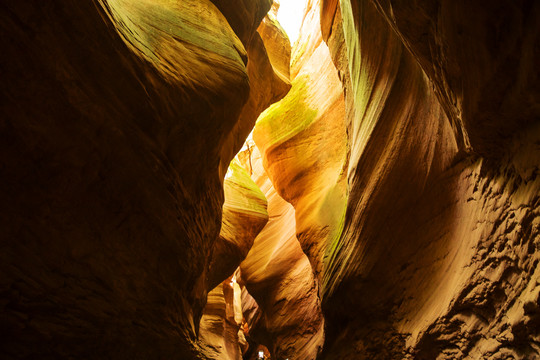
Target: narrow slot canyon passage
{"x": 263, "y": 179}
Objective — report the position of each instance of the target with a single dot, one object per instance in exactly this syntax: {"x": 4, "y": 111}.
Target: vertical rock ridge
{"x": 268, "y": 69}
{"x": 481, "y": 60}
{"x": 221, "y": 324}
{"x": 394, "y": 189}
{"x": 244, "y": 216}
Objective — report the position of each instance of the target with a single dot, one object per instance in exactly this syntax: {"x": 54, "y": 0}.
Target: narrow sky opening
{"x": 290, "y": 15}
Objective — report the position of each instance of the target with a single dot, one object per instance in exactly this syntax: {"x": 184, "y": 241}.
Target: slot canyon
{"x": 179, "y": 181}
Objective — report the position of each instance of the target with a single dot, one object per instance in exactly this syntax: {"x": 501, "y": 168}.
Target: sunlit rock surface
{"x": 440, "y": 248}
{"x": 245, "y": 207}
{"x": 115, "y": 117}
{"x": 221, "y": 332}
{"x": 244, "y": 216}
{"x": 303, "y": 140}
{"x": 399, "y": 177}
{"x": 268, "y": 69}
{"x": 278, "y": 275}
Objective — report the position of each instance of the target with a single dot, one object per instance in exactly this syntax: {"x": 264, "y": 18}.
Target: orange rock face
{"x": 438, "y": 256}
{"x": 388, "y": 207}
{"x": 221, "y": 333}
{"x": 268, "y": 70}
{"x": 245, "y": 208}
{"x": 303, "y": 140}
{"x": 244, "y": 216}
{"x": 279, "y": 277}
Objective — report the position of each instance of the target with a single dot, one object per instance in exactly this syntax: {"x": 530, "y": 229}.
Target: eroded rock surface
{"x": 482, "y": 60}
{"x": 278, "y": 275}
{"x": 439, "y": 251}
{"x": 268, "y": 69}
{"x": 115, "y": 117}
{"x": 221, "y": 332}
{"x": 303, "y": 141}
{"x": 396, "y": 185}
{"x": 244, "y": 216}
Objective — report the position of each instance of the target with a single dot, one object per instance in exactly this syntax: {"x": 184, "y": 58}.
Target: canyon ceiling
{"x": 178, "y": 182}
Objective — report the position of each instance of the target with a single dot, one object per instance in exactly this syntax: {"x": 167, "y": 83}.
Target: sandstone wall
{"x": 115, "y": 118}
{"x": 439, "y": 253}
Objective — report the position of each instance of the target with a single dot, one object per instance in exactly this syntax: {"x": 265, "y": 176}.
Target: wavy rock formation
{"x": 115, "y": 117}
{"x": 303, "y": 140}
{"x": 245, "y": 207}
{"x": 244, "y": 216}
{"x": 482, "y": 61}
{"x": 268, "y": 70}
{"x": 277, "y": 274}
{"x": 221, "y": 334}
{"x": 439, "y": 252}
{"x": 387, "y": 208}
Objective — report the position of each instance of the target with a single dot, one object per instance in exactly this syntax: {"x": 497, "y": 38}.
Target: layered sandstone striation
{"x": 221, "y": 335}
{"x": 245, "y": 207}
{"x": 439, "y": 250}
{"x": 115, "y": 117}
{"x": 268, "y": 69}
{"x": 286, "y": 315}
{"x": 482, "y": 61}
{"x": 387, "y": 208}
{"x": 303, "y": 141}
{"x": 244, "y": 216}
{"x": 221, "y": 331}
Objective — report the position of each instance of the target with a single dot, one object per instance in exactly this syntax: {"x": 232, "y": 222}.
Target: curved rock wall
{"x": 221, "y": 333}
{"x": 482, "y": 60}
{"x": 439, "y": 252}
{"x": 279, "y": 277}
{"x": 400, "y": 176}
{"x": 244, "y": 216}
{"x": 303, "y": 140}
{"x": 268, "y": 69}
{"x": 115, "y": 117}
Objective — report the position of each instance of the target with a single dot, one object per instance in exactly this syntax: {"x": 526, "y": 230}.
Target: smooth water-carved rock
{"x": 221, "y": 332}
{"x": 114, "y": 119}
{"x": 406, "y": 207}
{"x": 244, "y": 216}
{"x": 482, "y": 60}
{"x": 303, "y": 140}
{"x": 279, "y": 277}
{"x": 269, "y": 58}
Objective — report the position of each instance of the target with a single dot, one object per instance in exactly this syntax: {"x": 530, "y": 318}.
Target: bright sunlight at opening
{"x": 290, "y": 16}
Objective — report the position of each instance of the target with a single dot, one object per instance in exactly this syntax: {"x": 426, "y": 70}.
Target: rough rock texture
{"x": 278, "y": 275}
{"x": 440, "y": 247}
{"x": 115, "y": 116}
{"x": 406, "y": 210}
{"x": 482, "y": 59}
